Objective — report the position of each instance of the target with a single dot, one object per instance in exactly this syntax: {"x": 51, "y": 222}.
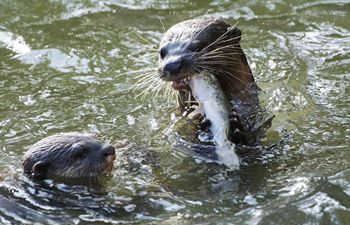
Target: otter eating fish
{"x": 204, "y": 62}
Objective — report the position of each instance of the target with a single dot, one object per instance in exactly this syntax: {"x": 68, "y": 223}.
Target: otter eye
{"x": 162, "y": 53}
{"x": 82, "y": 152}
{"x": 196, "y": 46}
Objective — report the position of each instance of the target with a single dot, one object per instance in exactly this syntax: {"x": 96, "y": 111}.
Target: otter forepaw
{"x": 238, "y": 135}
{"x": 235, "y": 121}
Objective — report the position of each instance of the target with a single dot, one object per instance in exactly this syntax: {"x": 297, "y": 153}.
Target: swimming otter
{"x": 211, "y": 46}
{"x": 68, "y": 155}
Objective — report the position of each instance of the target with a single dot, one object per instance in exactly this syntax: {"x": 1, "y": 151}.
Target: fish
{"x": 213, "y": 105}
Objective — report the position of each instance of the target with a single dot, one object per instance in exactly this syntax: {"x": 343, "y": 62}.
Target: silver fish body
{"x": 215, "y": 107}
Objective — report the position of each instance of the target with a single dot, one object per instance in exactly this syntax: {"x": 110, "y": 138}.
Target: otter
{"x": 68, "y": 155}
{"x": 211, "y": 47}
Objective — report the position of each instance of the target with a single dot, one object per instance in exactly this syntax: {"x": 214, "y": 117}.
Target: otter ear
{"x": 236, "y": 33}
{"x": 39, "y": 169}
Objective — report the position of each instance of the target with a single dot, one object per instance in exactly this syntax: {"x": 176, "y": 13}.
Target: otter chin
{"x": 68, "y": 155}
{"x": 181, "y": 84}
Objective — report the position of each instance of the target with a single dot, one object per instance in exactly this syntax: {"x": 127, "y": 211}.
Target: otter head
{"x": 70, "y": 155}
{"x": 210, "y": 45}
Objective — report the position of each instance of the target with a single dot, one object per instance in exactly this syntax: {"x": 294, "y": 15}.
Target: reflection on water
{"x": 64, "y": 67}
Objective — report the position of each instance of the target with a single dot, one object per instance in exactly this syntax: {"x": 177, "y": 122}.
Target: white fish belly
{"x": 209, "y": 94}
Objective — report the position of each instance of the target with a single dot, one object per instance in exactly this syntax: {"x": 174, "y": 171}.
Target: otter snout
{"x": 108, "y": 153}
{"x": 174, "y": 67}
{"x": 108, "y": 150}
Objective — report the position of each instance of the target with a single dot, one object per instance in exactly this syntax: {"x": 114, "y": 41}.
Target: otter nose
{"x": 108, "y": 150}
{"x": 173, "y": 68}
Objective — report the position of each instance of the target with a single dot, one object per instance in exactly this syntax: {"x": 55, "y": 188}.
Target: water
{"x": 63, "y": 67}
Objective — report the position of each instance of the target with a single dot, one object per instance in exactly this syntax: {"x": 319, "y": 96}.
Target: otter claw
{"x": 239, "y": 137}
{"x": 235, "y": 120}
{"x": 236, "y": 123}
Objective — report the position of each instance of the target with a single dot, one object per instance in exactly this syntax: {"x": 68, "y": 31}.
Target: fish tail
{"x": 209, "y": 153}
{"x": 198, "y": 151}
{"x": 226, "y": 155}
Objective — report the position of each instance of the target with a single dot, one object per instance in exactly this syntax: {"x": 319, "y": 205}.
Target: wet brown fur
{"x": 68, "y": 155}
{"x": 233, "y": 72}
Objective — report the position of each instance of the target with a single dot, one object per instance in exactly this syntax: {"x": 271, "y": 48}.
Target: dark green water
{"x": 62, "y": 68}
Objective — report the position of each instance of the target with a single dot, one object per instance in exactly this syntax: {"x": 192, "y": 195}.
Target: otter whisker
{"x": 172, "y": 94}
{"x": 152, "y": 83}
{"x": 217, "y": 62}
{"x": 189, "y": 101}
{"x": 147, "y": 56}
{"x": 157, "y": 88}
{"x": 220, "y": 56}
{"x": 166, "y": 89}
{"x": 232, "y": 76}
{"x": 169, "y": 93}
{"x": 146, "y": 85}
{"x": 239, "y": 71}
{"x": 215, "y": 42}
{"x": 145, "y": 73}
{"x": 199, "y": 23}
{"x": 220, "y": 72}
{"x": 219, "y": 39}
{"x": 219, "y": 53}
{"x": 197, "y": 30}
{"x": 137, "y": 71}
{"x": 147, "y": 76}
{"x": 213, "y": 60}
{"x": 208, "y": 67}
{"x": 231, "y": 39}
{"x": 223, "y": 49}
{"x": 162, "y": 89}
{"x": 223, "y": 41}
{"x": 220, "y": 49}
{"x": 161, "y": 23}
{"x": 145, "y": 92}
{"x": 185, "y": 102}
{"x": 143, "y": 84}
{"x": 152, "y": 44}
{"x": 146, "y": 79}
{"x": 223, "y": 72}
{"x": 145, "y": 48}
{"x": 222, "y": 62}
{"x": 166, "y": 92}
{"x": 137, "y": 86}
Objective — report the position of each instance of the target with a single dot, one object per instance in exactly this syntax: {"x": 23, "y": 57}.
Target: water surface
{"x": 63, "y": 67}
